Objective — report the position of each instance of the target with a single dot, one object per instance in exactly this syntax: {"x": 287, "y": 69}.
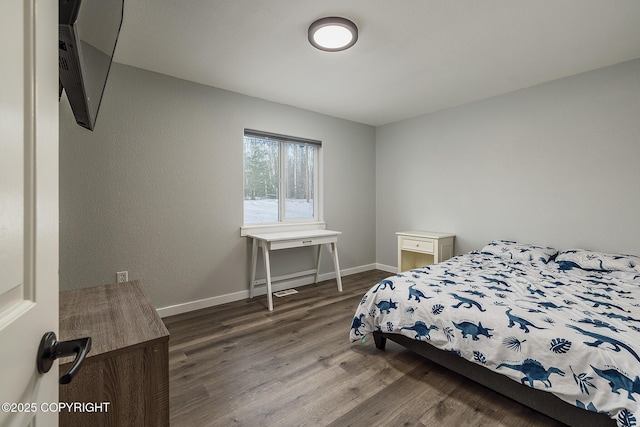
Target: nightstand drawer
{"x": 425, "y": 246}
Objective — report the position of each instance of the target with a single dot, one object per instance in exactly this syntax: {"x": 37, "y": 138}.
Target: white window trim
{"x": 297, "y": 224}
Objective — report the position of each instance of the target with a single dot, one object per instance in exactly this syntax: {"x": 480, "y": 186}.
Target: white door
{"x": 28, "y": 207}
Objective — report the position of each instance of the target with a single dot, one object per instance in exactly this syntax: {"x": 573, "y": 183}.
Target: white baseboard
{"x": 389, "y": 268}
{"x": 260, "y": 290}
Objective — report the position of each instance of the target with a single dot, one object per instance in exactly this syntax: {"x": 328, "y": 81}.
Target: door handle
{"x": 51, "y": 349}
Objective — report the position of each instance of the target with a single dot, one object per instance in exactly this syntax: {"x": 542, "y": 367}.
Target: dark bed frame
{"x": 538, "y": 400}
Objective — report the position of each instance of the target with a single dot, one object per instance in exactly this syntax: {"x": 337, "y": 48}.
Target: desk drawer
{"x": 426, "y": 246}
{"x": 297, "y": 243}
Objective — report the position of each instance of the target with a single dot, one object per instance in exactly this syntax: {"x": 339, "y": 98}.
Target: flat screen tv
{"x": 88, "y": 31}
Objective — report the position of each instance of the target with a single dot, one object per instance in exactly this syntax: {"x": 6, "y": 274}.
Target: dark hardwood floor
{"x": 238, "y": 364}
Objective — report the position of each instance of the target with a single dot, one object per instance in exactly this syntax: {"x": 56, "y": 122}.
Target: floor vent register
{"x": 285, "y": 292}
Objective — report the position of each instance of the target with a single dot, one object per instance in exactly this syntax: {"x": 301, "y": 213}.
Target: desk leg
{"x": 318, "y": 262}
{"x": 267, "y": 269}
{"x": 254, "y": 258}
{"x": 333, "y": 248}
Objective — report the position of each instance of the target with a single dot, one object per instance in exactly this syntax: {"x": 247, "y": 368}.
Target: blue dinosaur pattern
{"x": 614, "y": 344}
{"x": 472, "y": 329}
{"x": 383, "y": 285}
{"x": 386, "y": 306}
{"x": 533, "y": 321}
{"x": 416, "y": 293}
{"x": 466, "y": 302}
{"x": 617, "y": 380}
{"x": 421, "y": 329}
{"x": 533, "y": 371}
{"x": 357, "y": 324}
{"x": 513, "y": 319}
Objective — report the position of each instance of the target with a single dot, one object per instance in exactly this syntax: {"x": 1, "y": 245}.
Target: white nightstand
{"x": 420, "y": 248}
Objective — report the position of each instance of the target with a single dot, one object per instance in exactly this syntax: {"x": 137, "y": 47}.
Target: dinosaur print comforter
{"x": 552, "y": 326}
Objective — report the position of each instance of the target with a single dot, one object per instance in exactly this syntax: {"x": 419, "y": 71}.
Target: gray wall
{"x": 156, "y": 189}
{"x": 556, "y": 164}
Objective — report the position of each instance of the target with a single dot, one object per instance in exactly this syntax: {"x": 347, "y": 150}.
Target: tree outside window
{"x": 279, "y": 179}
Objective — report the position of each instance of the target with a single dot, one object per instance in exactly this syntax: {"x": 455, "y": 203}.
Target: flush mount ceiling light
{"x": 333, "y": 34}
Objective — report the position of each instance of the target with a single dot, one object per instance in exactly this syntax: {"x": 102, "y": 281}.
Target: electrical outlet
{"x": 122, "y": 276}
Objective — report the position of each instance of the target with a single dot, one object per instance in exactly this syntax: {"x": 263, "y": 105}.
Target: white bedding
{"x": 552, "y": 326}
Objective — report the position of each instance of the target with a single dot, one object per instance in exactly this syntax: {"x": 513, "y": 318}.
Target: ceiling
{"x": 412, "y": 56}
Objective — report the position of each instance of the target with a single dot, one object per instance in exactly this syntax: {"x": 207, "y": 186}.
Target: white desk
{"x": 292, "y": 239}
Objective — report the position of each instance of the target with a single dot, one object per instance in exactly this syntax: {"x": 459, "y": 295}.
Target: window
{"x": 280, "y": 179}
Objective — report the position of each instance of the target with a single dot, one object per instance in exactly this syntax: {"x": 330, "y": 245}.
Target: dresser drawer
{"x": 425, "y": 246}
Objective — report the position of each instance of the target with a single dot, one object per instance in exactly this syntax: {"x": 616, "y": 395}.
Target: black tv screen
{"x": 88, "y": 33}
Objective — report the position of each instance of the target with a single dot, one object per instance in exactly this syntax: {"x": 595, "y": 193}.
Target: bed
{"x": 556, "y": 330}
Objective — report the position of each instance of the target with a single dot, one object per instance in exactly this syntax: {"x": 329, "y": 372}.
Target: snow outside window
{"x": 280, "y": 179}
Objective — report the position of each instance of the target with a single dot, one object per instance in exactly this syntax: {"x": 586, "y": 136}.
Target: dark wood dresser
{"x": 128, "y": 365}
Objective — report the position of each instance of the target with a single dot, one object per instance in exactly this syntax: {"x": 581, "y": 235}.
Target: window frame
{"x": 284, "y": 224}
